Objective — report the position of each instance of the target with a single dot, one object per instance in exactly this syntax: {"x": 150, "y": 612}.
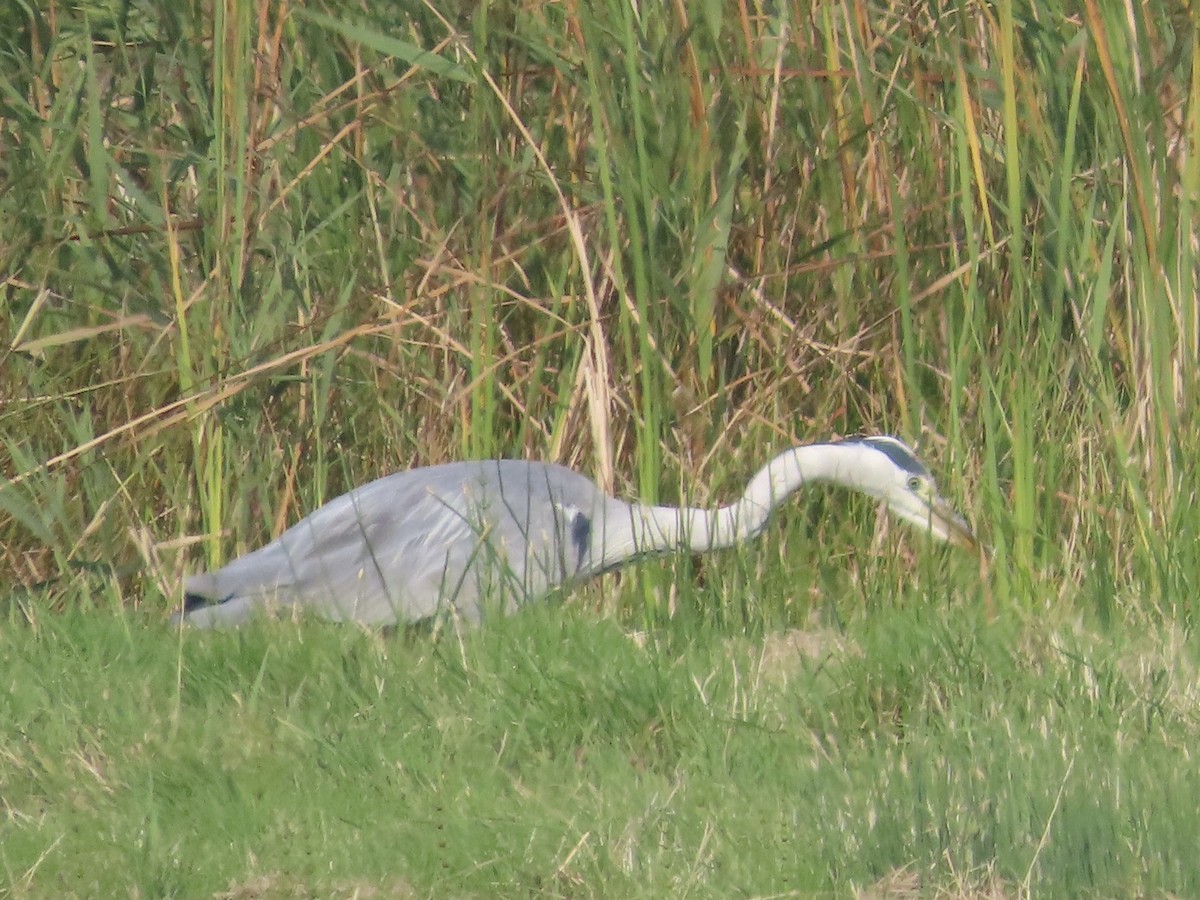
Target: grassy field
{"x": 256, "y": 253}
{"x": 916, "y": 752}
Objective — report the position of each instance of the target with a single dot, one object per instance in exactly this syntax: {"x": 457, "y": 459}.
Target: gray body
{"x": 418, "y": 543}
{"x": 463, "y": 538}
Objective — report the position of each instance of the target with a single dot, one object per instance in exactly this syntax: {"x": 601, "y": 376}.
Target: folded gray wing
{"x": 388, "y": 551}
{"x": 406, "y": 546}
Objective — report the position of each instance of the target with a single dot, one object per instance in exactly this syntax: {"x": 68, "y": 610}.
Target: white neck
{"x": 663, "y": 529}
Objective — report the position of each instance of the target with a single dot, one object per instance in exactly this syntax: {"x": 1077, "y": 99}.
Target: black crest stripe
{"x": 897, "y": 453}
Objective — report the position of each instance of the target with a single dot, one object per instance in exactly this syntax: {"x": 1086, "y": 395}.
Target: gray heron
{"x": 457, "y": 537}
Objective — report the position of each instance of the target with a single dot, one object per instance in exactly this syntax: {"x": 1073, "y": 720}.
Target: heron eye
{"x": 914, "y": 483}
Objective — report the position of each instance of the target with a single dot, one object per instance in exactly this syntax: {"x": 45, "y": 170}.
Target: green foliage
{"x": 253, "y": 260}
{"x": 255, "y": 254}
{"x": 554, "y": 753}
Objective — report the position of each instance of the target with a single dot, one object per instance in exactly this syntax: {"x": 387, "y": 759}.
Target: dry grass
{"x": 905, "y": 884}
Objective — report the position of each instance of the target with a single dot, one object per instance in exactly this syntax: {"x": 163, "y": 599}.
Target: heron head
{"x": 896, "y": 476}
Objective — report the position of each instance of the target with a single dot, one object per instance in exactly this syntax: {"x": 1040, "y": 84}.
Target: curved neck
{"x": 662, "y": 529}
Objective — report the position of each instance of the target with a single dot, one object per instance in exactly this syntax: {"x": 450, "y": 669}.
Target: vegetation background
{"x": 255, "y": 253}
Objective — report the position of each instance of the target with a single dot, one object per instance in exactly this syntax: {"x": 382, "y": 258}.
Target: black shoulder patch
{"x": 581, "y": 537}
{"x": 897, "y": 453}
{"x": 193, "y": 602}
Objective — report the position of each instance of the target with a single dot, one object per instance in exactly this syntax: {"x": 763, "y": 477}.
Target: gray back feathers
{"x": 416, "y": 543}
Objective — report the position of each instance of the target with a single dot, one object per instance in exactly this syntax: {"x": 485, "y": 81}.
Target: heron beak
{"x": 946, "y": 523}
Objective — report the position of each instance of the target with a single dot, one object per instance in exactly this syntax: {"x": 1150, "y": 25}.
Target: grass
{"x": 554, "y": 754}
{"x": 255, "y": 254}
